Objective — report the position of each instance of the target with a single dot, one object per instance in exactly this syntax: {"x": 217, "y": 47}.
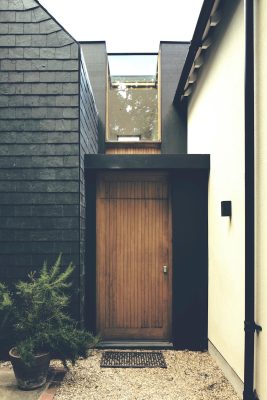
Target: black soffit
{"x": 145, "y": 161}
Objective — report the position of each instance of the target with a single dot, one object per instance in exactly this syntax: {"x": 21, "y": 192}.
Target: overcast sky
{"x": 127, "y": 26}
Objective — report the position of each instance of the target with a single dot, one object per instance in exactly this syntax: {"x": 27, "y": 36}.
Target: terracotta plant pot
{"x": 32, "y": 377}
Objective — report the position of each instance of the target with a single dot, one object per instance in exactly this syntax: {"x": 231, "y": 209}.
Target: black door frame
{"x": 189, "y": 191}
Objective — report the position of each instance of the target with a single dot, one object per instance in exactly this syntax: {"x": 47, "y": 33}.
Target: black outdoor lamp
{"x": 226, "y": 208}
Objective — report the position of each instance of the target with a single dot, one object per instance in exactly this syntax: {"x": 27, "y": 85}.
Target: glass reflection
{"x": 133, "y": 103}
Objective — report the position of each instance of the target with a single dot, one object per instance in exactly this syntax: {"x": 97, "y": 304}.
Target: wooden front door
{"x": 134, "y": 266}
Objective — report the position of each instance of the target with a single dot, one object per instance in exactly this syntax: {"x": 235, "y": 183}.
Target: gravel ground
{"x": 189, "y": 376}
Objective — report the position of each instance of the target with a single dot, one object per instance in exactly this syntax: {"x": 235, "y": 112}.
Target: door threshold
{"x": 135, "y": 344}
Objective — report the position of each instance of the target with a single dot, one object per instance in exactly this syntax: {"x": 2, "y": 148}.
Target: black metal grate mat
{"x": 133, "y": 359}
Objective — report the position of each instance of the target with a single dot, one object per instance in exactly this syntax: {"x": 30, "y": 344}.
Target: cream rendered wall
{"x": 261, "y": 196}
{"x": 216, "y": 126}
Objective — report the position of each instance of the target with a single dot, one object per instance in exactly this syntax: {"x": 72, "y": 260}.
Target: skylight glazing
{"x": 132, "y": 111}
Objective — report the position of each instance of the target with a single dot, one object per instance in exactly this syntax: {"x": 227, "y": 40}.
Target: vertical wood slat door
{"x": 134, "y": 294}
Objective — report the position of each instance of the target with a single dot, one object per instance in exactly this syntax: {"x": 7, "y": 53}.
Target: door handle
{"x": 165, "y": 269}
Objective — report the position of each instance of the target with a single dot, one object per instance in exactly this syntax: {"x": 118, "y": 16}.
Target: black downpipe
{"x": 250, "y": 326}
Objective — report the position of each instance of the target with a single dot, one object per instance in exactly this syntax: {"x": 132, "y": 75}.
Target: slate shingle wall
{"x": 95, "y": 57}
{"x": 88, "y": 145}
{"x": 41, "y": 151}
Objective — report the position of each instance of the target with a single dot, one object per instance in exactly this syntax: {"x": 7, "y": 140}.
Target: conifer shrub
{"x": 5, "y": 308}
{"x": 38, "y": 311}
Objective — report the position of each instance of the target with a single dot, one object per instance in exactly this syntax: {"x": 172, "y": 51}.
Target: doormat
{"x": 133, "y": 359}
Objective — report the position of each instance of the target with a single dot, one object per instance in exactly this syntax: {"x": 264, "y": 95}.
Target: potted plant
{"x": 42, "y": 325}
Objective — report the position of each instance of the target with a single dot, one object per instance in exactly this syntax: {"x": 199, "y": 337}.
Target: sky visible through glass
{"x": 133, "y": 65}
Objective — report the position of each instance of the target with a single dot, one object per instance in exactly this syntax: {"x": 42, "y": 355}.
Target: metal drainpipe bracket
{"x": 252, "y": 327}
{"x": 255, "y": 395}
{"x": 258, "y": 328}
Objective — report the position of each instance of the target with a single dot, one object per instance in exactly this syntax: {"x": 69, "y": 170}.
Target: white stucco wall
{"x": 216, "y": 126}
{"x": 261, "y": 196}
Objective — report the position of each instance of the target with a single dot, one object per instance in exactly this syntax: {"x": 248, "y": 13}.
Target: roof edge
{"x": 196, "y": 42}
{"x": 132, "y": 54}
{"x": 54, "y": 19}
{"x": 175, "y": 41}
{"x": 92, "y": 41}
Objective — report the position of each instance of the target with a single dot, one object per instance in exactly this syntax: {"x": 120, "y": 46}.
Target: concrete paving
{"x": 10, "y": 391}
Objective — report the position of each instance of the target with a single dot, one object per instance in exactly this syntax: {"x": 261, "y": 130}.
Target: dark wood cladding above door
{"x": 112, "y": 186}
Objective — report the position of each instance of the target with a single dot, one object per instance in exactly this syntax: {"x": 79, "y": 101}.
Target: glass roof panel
{"x": 129, "y": 68}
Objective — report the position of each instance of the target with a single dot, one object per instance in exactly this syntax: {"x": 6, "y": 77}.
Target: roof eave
{"x": 204, "y": 22}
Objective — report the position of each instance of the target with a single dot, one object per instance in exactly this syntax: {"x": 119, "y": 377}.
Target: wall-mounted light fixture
{"x": 226, "y": 208}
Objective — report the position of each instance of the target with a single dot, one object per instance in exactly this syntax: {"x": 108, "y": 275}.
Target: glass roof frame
{"x": 123, "y": 77}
